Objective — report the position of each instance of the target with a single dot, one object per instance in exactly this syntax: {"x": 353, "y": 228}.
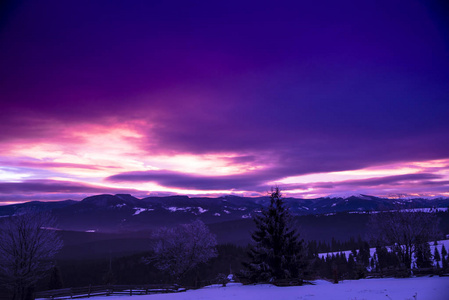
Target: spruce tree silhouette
{"x": 278, "y": 252}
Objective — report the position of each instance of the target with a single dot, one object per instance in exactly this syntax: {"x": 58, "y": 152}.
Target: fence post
{"x": 88, "y": 295}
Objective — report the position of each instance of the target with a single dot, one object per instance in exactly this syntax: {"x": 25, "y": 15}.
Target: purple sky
{"x": 209, "y": 98}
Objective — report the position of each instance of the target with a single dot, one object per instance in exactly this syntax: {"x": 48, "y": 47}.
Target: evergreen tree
{"x": 443, "y": 251}
{"x": 437, "y": 257}
{"x": 362, "y": 259}
{"x": 372, "y": 264}
{"x": 351, "y": 266}
{"x": 278, "y": 252}
{"x": 109, "y": 276}
{"x": 364, "y": 254}
{"x": 383, "y": 260}
{"x": 423, "y": 255}
{"x": 360, "y": 270}
{"x": 312, "y": 250}
{"x": 444, "y": 262}
{"x": 343, "y": 258}
{"x": 55, "y": 279}
{"x": 354, "y": 252}
{"x": 334, "y": 245}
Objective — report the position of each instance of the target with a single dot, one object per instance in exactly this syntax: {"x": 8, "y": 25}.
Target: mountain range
{"x": 125, "y": 213}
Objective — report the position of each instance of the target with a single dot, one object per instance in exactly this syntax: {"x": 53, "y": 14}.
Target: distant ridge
{"x": 124, "y": 212}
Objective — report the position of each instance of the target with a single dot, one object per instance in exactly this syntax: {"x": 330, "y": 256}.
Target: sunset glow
{"x": 215, "y": 98}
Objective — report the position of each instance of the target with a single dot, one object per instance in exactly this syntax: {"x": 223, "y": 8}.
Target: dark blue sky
{"x": 223, "y": 96}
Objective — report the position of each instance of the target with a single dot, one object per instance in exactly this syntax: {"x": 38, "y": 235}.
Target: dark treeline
{"x": 335, "y": 245}
{"x": 327, "y": 260}
{"x": 131, "y": 270}
{"x": 360, "y": 263}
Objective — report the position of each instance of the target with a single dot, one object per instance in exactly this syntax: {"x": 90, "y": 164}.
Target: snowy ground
{"x": 423, "y": 288}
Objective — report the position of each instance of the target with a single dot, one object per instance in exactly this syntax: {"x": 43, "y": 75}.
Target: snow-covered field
{"x": 422, "y": 288}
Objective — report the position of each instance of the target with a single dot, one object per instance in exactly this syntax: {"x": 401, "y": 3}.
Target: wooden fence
{"x": 107, "y": 290}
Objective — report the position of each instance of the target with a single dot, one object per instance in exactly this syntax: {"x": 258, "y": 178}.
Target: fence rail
{"x": 107, "y": 290}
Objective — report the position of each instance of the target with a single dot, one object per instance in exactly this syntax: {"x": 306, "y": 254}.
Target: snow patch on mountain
{"x": 195, "y": 210}
{"x": 140, "y": 210}
{"x": 347, "y": 195}
{"x": 202, "y": 210}
{"x": 423, "y": 209}
{"x": 408, "y": 197}
{"x": 175, "y": 209}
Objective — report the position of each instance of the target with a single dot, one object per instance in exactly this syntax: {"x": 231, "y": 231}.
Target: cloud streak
{"x": 180, "y": 180}
{"x": 56, "y": 186}
{"x": 381, "y": 186}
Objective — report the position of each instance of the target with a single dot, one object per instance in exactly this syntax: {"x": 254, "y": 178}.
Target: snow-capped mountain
{"x": 125, "y": 212}
{"x": 347, "y": 195}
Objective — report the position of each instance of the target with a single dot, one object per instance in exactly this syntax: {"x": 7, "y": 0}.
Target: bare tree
{"x": 404, "y": 231}
{"x": 179, "y": 249}
{"x": 28, "y": 242}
